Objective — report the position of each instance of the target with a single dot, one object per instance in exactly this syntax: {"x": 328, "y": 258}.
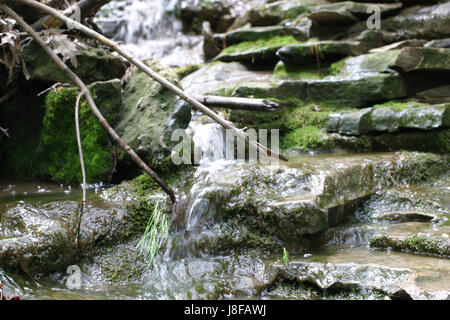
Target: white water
{"x": 147, "y": 28}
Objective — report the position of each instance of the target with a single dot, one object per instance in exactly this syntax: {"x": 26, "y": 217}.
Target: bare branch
{"x": 83, "y": 170}
{"x": 53, "y": 87}
{"x": 238, "y": 103}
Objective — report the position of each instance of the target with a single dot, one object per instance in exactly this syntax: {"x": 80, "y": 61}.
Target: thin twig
{"x": 79, "y": 83}
{"x": 152, "y": 74}
{"x": 5, "y": 131}
{"x": 53, "y": 87}
{"x": 83, "y": 170}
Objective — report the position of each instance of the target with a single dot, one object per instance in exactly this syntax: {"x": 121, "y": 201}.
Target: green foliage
{"x": 285, "y": 256}
{"x": 337, "y": 67}
{"x": 155, "y": 233}
{"x": 59, "y": 139}
{"x": 306, "y": 138}
{"x": 184, "y": 71}
{"x": 285, "y": 71}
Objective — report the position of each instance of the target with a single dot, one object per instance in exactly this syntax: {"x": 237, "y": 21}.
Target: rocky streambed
{"x": 360, "y": 211}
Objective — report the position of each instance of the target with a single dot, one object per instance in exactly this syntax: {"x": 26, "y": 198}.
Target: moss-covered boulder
{"x": 149, "y": 114}
{"x": 59, "y": 143}
{"x": 42, "y": 143}
{"x": 93, "y": 64}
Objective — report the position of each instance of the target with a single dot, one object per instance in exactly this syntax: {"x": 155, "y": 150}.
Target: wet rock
{"x": 436, "y": 95}
{"x": 425, "y": 118}
{"x": 400, "y": 45}
{"x": 210, "y": 48}
{"x": 357, "y": 90}
{"x": 93, "y": 64}
{"x": 347, "y": 12}
{"x": 382, "y": 119}
{"x": 352, "y": 123}
{"x": 297, "y": 202}
{"x": 280, "y": 89}
{"x": 351, "y": 276}
{"x": 430, "y": 22}
{"x": 192, "y": 12}
{"x": 405, "y": 216}
{"x": 275, "y": 12}
{"x": 420, "y": 243}
{"x": 220, "y": 78}
{"x": 311, "y": 51}
{"x": 149, "y": 115}
{"x": 440, "y": 43}
{"x": 425, "y": 203}
{"x": 256, "y": 33}
{"x": 42, "y": 237}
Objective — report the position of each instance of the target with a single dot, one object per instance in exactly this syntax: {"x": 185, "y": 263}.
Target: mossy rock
{"x": 93, "y": 65}
{"x": 418, "y": 243}
{"x": 263, "y": 49}
{"x": 315, "y": 51}
{"x": 59, "y": 143}
{"x": 149, "y": 115}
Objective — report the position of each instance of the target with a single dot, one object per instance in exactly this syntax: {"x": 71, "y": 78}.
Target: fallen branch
{"x": 238, "y": 103}
{"x": 164, "y": 82}
{"x": 77, "y": 81}
{"x": 83, "y": 169}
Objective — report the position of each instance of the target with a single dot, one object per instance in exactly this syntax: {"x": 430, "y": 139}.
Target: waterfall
{"x": 148, "y": 28}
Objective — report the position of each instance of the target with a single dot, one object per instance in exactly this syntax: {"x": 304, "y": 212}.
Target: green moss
{"x": 418, "y": 243}
{"x": 184, "y": 71}
{"x": 306, "y": 138}
{"x": 399, "y": 105}
{"x": 288, "y": 71}
{"x": 59, "y": 140}
{"x": 276, "y": 41}
{"x": 337, "y": 66}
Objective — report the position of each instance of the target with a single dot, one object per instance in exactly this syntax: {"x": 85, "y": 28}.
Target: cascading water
{"x": 148, "y": 28}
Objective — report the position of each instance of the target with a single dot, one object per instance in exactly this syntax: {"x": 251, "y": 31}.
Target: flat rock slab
{"x": 420, "y": 243}
{"x": 347, "y": 12}
{"x": 387, "y": 119}
{"x": 397, "y": 283}
{"x": 256, "y": 33}
{"x": 219, "y": 76}
{"x": 310, "y": 51}
{"x": 358, "y": 90}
